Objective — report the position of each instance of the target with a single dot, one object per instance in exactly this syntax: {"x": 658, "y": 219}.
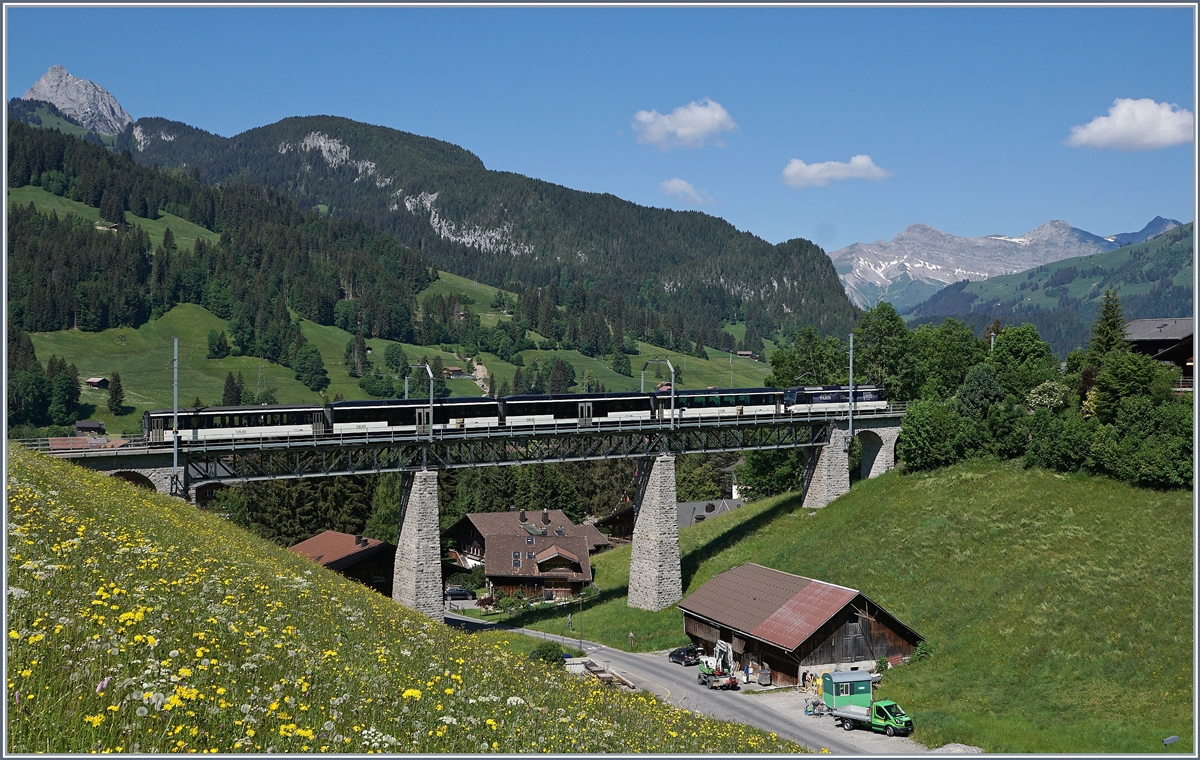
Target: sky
{"x": 838, "y": 125}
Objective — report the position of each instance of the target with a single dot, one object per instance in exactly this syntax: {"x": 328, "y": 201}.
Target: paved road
{"x": 677, "y": 685}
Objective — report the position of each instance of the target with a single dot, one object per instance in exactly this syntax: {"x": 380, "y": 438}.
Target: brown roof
{"x": 777, "y": 607}
{"x": 498, "y": 561}
{"x": 337, "y": 550}
{"x": 593, "y": 535}
{"x": 552, "y": 552}
{"x": 509, "y": 523}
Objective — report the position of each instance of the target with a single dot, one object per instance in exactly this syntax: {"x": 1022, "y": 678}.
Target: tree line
{"x": 1106, "y": 409}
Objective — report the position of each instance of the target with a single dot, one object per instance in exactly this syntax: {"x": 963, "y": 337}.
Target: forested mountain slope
{"x": 510, "y": 230}
{"x": 1153, "y": 278}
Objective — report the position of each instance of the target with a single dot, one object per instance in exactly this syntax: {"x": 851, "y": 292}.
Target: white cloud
{"x": 685, "y": 191}
{"x": 799, "y": 174}
{"x": 690, "y": 126}
{"x": 1135, "y": 125}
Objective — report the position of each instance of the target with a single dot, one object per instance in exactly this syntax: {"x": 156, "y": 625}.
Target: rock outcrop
{"x": 86, "y": 102}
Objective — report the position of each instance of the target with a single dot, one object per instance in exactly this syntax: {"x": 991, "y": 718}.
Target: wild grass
{"x": 184, "y": 232}
{"x": 137, "y": 623}
{"x": 1059, "y": 608}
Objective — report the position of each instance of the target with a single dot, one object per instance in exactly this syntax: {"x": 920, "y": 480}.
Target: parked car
{"x": 458, "y": 592}
{"x": 689, "y": 655}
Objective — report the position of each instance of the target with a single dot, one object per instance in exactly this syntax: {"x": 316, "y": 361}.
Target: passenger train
{"x": 511, "y": 412}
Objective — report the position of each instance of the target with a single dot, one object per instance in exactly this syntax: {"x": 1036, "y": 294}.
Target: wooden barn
{"x": 793, "y": 625}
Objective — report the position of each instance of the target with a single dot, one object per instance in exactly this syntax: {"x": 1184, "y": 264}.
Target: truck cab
{"x": 887, "y": 717}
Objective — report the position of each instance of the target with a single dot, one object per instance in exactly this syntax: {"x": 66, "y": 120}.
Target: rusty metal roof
{"x": 770, "y": 605}
{"x": 337, "y": 550}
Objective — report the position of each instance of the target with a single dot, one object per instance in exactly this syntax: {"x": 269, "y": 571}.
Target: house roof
{"x": 498, "y": 560}
{"x": 338, "y": 550}
{"x": 490, "y": 524}
{"x": 770, "y": 605}
{"x": 1168, "y": 329}
{"x": 685, "y": 511}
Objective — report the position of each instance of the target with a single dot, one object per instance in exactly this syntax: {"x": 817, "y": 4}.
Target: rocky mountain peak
{"x": 86, "y": 102}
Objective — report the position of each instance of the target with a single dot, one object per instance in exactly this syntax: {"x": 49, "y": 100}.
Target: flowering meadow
{"x": 137, "y": 623}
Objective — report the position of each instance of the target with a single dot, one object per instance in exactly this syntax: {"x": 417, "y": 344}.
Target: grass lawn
{"x": 1059, "y": 607}
{"x": 185, "y": 232}
{"x": 481, "y": 294}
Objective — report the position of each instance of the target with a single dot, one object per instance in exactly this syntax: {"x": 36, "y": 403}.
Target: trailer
{"x": 848, "y": 697}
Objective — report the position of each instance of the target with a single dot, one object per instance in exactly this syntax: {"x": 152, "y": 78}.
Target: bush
{"x": 924, "y": 651}
{"x": 928, "y": 436}
{"x": 548, "y": 652}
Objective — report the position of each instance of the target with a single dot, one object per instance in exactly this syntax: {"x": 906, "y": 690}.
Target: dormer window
{"x": 516, "y": 555}
{"x": 529, "y": 540}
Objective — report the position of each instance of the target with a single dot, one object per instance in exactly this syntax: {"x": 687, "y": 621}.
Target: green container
{"x": 844, "y": 688}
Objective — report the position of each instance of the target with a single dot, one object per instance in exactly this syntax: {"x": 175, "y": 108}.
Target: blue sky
{"x": 960, "y": 117}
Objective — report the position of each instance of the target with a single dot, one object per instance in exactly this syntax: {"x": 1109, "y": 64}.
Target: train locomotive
{"x": 522, "y": 412}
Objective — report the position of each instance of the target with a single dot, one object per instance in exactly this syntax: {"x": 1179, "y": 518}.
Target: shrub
{"x": 928, "y": 436}
{"x": 548, "y": 652}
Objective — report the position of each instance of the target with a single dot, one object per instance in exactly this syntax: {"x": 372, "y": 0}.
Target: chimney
{"x": 360, "y": 541}
{"x": 522, "y": 518}
{"x": 545, "y": 516}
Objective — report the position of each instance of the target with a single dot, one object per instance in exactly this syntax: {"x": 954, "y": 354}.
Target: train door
{"x": 156, "y": 430}
{"x": 585, "y": 412}
{"x": 423, "y": 421}
{"x": 318, "y": 422}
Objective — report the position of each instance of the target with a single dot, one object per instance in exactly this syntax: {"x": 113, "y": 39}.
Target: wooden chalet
{"x": 366, "y": 560}
{"x": 532, "y": 553}
{"x": 792, "y": 625}
{"x": 1166, "y": 340}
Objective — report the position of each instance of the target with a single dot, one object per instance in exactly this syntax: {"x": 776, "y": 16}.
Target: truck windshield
{"x": 894, "y": 710}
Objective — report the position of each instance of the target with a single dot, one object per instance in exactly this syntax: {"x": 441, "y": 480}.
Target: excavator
{"x": 716, "y": 671}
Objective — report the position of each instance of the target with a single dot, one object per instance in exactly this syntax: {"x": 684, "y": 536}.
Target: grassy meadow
{"x": 1059, "y": 608}
{"x": 142, "y": 355}
{"x": 137, "y": 623}
{"x": 184, "y": 232}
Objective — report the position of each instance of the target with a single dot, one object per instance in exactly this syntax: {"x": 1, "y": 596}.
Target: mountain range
{"x": 920, "y": 261}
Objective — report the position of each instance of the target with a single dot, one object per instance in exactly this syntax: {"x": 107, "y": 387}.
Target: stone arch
{"x": 136, "y": 478}
{"x": 878, "y": 450}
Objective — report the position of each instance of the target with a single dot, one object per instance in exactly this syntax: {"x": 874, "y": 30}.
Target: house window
{"x": 516, "y": 563}
{"x": 529, "y": 540}
{"x": 558, "y": 533}
{"x": 516, "y": 555}
{"x": 528, "y": 555}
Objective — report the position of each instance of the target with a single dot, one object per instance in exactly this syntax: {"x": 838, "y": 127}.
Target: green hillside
{"x": 185, "y": 232}
{"x": 1059, "y": 608}
{"x": 138, "y": 623}
{"x": 143, "y": 357}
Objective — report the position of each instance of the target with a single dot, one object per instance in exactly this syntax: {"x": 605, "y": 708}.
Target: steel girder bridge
{"x": 228, "y": 462}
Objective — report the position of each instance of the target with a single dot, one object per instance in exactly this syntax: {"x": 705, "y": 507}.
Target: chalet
{"x": 619, "y": 524}
{"x": 99, "y": 383}
{"x": 87, "y": 427}
{"x": 792, "y": 625}
{"x": 536, "y": 554}
{"x": 1166, "y": 340}
{"x": 366, "y": 560}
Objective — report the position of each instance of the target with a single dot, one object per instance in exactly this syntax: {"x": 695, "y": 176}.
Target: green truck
{"x": 849, "y": 699}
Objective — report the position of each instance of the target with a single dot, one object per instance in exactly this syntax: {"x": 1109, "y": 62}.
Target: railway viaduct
{"x": 655, "y": 578}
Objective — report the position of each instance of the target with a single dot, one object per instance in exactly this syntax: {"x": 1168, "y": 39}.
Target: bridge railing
{"x": 96, "y": 445}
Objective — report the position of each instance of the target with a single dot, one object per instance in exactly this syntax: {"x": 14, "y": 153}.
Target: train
{"x": 418, "y": 416}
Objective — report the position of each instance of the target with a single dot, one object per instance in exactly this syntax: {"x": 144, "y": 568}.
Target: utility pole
{"x": 993, "y": 348}
{"x": 851, "y": 438}
{"x": 175, "y": 424}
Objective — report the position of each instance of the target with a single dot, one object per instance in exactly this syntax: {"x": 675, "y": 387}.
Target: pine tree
{"x": 1108, "y": 331}
{"x": 231, "y": 395}
{"x": 197, "y": 403}
{"x": 116, "y": 395}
